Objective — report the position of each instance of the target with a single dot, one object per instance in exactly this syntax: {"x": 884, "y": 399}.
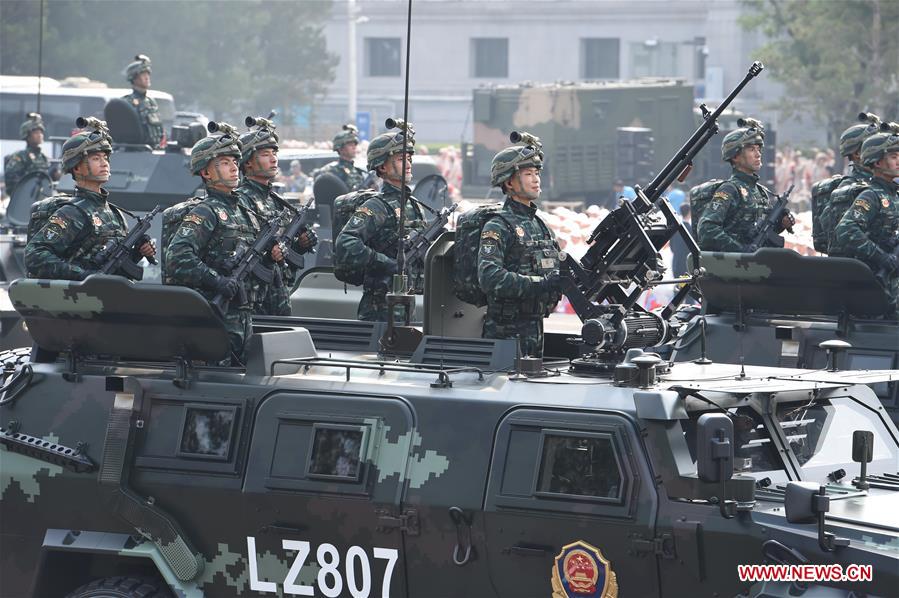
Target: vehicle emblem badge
{"x": 581, "y": 571}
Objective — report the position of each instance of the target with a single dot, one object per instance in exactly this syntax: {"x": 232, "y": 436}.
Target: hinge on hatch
{"x": 407, "y": 521}
{"x": 662, "y": 546}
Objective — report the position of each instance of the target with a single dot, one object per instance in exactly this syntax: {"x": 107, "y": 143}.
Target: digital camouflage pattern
{"x": 345, "y": 170}
{"x": 512, "y": 159}
{"x": 18, "y": 165}
{"x": 148, "y": 112}
{"x": 870, "y": 228}
{"x": 701, "y": 196}
{"x": 386, "y": 144}
{"x": 369, "y": 242}
{"x": 204, "y": 247}
{"x": 730, "y": 219}
{"x": 736, "y": 140}
{"x": 349, "y": 134}
{"x": 841, "y": 198}
{"x": 517, "y": 250}
{"x": 66, "y": 246}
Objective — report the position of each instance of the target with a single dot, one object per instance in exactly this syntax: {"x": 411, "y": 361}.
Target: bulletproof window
{"x": 383, "y": 56}
{"x": 337, "y": 452}
{"x": 207, "y": 433}
{"x": 490, "y": 57}
{"x": 579, "y": 465}
{"x": 600, "y": 57}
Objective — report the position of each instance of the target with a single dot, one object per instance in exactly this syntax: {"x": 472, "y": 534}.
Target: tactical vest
{"x": 94, "y": 235}
{"x": 822, "y": 222}
{"x": 701, "y": 196}
{"x": 841, "y": 200}
{"x": 346, "y": 205}
{"x": 528, "y": 257}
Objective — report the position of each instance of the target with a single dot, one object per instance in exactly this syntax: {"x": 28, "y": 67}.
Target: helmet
{"x": 385, "y": 145}
{"x": 736, "y": 140}
{"x": 852, "y": 138}
{"x": 349, "y": 134}
{"x": 34, "y": 122}
{"x": 141, "y": 63}
{"x": 262, "y": 137}
{"x": 877, "y": 146}
{"x": 225, "y": 143}
{"x": 94, "y": 138}
{"x": 516, "y": 157}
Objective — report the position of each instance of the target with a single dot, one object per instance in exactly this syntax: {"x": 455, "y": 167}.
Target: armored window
{"x": 579, "y": 465}
{"x": 490, "y": 57}
{"x": 600, "y": 57}
{"x": 337, "y": 452}
{"x": 207, "y": 432}
{"x": 383, "y": 56}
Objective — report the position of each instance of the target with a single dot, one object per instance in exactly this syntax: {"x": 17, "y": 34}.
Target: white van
{"x": 61, "y": 103}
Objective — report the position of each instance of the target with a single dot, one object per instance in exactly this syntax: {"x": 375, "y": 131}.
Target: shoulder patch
{"x": 195, "y": 219}
{"x": 58, "y": 221}
{"x": 363, "y": 211}
{"x": 488, "y": 248}
{"x": 720, "y": 195}
{"x": 490, "y": 234}
{"x": 863, "y": 204}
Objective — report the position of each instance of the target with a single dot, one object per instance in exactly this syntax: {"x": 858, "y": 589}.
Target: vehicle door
{"x": 569, "y": 498}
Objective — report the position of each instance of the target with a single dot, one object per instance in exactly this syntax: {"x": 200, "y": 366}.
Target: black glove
{"x": 226, "y": 286}
{"x": 789, "y": 218}
{"x": 135, "y": 251}
{"x": 888, "y": 262}
{"x": 311, "y": 242}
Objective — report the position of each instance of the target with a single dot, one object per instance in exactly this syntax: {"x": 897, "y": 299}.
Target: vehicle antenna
{"x": 400, "y": 254}
{"x": 40, "y": 57}
{"x": 741, "y": 329}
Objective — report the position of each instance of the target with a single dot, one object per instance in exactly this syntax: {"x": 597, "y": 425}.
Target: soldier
{"x": 138, "y": 74}
{"x": 259, "y": 164}
{"x": 369, "y": 241}
{"x": 20, "y": 164}
{"x": 203, "y": 251}
{"x": 518, "y": 257}
{"x": 868, "y": 230}
{"x": 345, "y": 144}
{"x": 70, "y": 245}
{"x": 740, "y": 202}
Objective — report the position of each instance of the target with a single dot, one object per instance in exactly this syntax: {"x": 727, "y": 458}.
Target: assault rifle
{"x": 292, "y": 231}
{"x": 624, "y": 260}
{"x": 249, "y": 262}
{"x": 765, "y": 235}
{"x": 417, "y": 243}
{"x": 117, "y": 255}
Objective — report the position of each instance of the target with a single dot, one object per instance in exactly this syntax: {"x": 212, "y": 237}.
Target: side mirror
{"x": 715, "y": 455}
{"x": 807, "y": 502}
{"x": 862, "y": 452}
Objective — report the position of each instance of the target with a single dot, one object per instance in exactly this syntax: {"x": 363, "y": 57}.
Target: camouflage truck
{"x": 130, "y": 469}
{"x": 578, "y": 124}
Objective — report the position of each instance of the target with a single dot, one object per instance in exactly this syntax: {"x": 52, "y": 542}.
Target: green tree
{"x": 835, "y": 58}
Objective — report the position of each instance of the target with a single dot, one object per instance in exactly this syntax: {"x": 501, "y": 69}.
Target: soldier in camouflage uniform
{"x": 518, "y": 257}
{"x": 259, "y": 163}
{"x": 138, "y": 74}
{"x": 369, "y": 241}
{"x": 869, "y": 228}
{"x": 18, "y": 165}
{"x": 205, "y": 248}
{"x": 70, "y": 245}
{"x": 345, "y": 144}
{"x": 740, "y": 203}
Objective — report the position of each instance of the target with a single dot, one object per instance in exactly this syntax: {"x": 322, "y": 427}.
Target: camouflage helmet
{"x": 93, "y": 138}
{"x": 386, "y": 144}
{"x": 349, "y": 134}
{"x": 877, "y": 146}
{"x": 852, "y": 138}
{"x": 34, "y": 121}
{"x": 749, "y": 133}
{"x": 262, "y": 137}
{"x": 224, "y": 142}
{"x": 514, "y": 158}
{"x": 141, "y": 63}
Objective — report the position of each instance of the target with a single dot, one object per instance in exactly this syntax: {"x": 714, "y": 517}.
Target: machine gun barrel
{"x": 117, "y": 257}
{"x": 684, "y": 156}
{"x": 764, "y": 236}
{"x": 416, "y": 246}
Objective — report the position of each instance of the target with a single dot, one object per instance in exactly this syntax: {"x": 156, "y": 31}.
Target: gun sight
{"x": 889, "y": 127}
{"x": 222, "y": 127}
{"x": 750, "y": 123}
{"x": 526, "y": 138}
{"x": 869, "y": 117}
{"x": 91, "y": 122}
{"x": 396, "y": 123}
{"x": 253, "y": 121}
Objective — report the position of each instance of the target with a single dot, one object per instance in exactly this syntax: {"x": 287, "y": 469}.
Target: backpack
{"x": 466, "y": 247}
{"x": 822, "y": 221}
{"x": 701, "y": 197}
{"x": 344, "y": 208}
{"x": 43, "y": 209}
{"x": 840, "y": 201}
{"x": 171, "y": 222}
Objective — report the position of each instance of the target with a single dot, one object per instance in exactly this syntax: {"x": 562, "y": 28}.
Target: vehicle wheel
{"x": 123, "y": 587}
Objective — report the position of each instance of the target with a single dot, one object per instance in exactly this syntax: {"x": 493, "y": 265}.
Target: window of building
{"x": 654, "y": 58}
{"x": 600, "y": 58}
{"x": 383, "y": 56}
{"x": 490, "y": 57}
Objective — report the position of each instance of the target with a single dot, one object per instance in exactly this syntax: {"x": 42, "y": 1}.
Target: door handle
{"x": 529, "y": 550}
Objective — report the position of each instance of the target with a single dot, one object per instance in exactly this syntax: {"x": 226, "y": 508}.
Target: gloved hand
{"x": 226, "y": 286}
{"x": 552, "y": 283}
{"x": 306, "y": 240}
{"x": 145, "y": 247}
{"x": 786, "y": 223}
{"x": 888, "y": 261}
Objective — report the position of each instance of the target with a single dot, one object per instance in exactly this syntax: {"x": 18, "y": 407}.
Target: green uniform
{"x": 148, "y": 111}
{"x": 841, "y": 198}
{"x": 346, "y": 171}
{"x": 517, "y": 250}
{"x": 20, "y": 164}
{"x": 869, "y": 229}
{"x": 274, "y": 299}
{"x": 369, "y": 242}
{"x": 731, "y": 218}
{"x": 202, "y": 248}
{"x": 66, "y": 246}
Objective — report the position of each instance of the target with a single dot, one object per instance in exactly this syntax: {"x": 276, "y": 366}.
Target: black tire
{"x": 123, "y": 587}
